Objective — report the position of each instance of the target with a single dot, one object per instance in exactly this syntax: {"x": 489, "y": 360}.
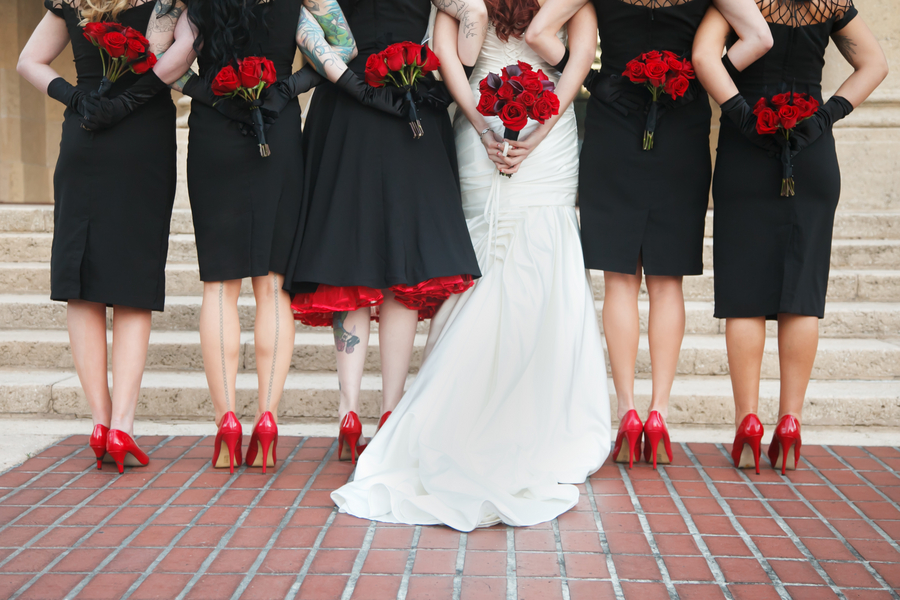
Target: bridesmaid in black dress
{"x": 113, "y": 191}
{"x": 383, "y": 223}
{"x": 643, "y": 211}
{"x": 772, "y": 253}
{"x": 245, "y": 206}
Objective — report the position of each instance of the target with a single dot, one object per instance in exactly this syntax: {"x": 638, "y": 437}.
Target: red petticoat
{"x": 317, "y": 309}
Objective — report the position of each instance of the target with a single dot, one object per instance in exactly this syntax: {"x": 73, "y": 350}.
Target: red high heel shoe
{"x": 383, "y": 420}
{"x": 231, "y": 434}
{"x": 98, "y": 443}
{"x": 655, "y": 432}
{"x": 630, "y": 429}
{"x": 784, "y": 451}
{"x": 125, "y": 451}
{"x": 263, "y": 439}
{"x": 351, "y": 430}
{"x": 746, "y": 443}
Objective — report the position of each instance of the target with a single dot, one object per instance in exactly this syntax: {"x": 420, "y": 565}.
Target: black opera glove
{"x": 279, "y": 94}
{"x": 613, "y": 90}
{"x": 741, "y": 114}
{"x": 809, "y": 130}
{"x": 231, "y": 108}
{"x": 66, "y": 93}
{"x": 102, "y": 112}
{"x": 431, "y": 92}
{"x": 388, "y": 99}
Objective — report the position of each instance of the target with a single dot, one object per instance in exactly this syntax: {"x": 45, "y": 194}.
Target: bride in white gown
{"x": 510, "y": 405}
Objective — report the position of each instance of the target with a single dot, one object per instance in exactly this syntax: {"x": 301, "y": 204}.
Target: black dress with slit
{"x": 113, "y": 189}
{"x": 647, "y": 205}
{"x": 381, "y": 209}
{"x": 246, "y": 206}
{"x": 772, "y": 253}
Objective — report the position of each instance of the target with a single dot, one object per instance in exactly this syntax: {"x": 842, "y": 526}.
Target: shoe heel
{"x": 119, "y": 458}
{"x": 99, "y": 453}
{"x": 633, "y": 441}
{"x": 653, "y": 440}
{"x": 353, "y": 440}
{"x": 266, "y": 441}
{"x": 231, "y": 441}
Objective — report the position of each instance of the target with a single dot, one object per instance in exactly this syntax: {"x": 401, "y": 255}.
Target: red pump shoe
{"x": 383, "y": 420}
{"x": 98, "y": 444}
{"x": 231, "y": 436}
{"x": 263, "y": 443}
{"x": 784, "y": 451}
{"x": 630, "y": 430}
{"x": 745, "y": 450}
{"x": 350, "y": 432}
{"x": 655, "y": 433}
{"x": 125, "y": 451}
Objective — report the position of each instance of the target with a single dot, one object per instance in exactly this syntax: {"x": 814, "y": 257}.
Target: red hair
{"x": 511, "y": 17}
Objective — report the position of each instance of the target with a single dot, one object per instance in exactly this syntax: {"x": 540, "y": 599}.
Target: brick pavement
{"x": 695, "y": 529}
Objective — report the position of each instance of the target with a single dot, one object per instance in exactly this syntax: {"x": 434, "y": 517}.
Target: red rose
{"x": 432, "y": 63}
{"x": 114, "y": 43}
{"x": 669, "y": 55}
{"x": 486, "y": 104}
{"x": 145, "y": 65}
{"x": 526, "y": 68}
{"x": 675, "y": 64}
{"x": 514, "y": 116}
{"x": 395, "y": 57}
{"x": 542, "y": 76}
{"x": 484, "y": 86}
{"x": 656, "y": 71}
{"x": 677, "y": 86}
{"x": 807, "y": 105}
{"x": 268, "y": 74}
{"x": 652, "y": 55}
{"x": 766, "y": 121}
{"x": 376, "y": 70}
{"x": 527, "y": 98}
{"x": 226, "y": 82}
{"x": 553, "y": 99}
{"x": 506, "y": 91}
{"x": 134, "y": 49}
{"x": 781, "y": 99}
{"x": 789, "y": 115}
{"x": 761, "y": 104}
{"x": 95, "y": 31}
{"x": 542, "y": 110}
{"x": 636, "y": 71}
{"x": 411, "y": 52}
{"x": 687, "y": 69}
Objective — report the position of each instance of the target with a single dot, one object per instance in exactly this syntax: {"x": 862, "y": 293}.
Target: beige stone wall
{"x": 868, "y": 141}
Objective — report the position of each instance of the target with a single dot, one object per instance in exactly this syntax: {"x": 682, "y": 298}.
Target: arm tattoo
{"x": 312, "y": 42}
{"x": 178, "y": 85}
{"x": 459, "y": 10}
{"x": 344, "y": 341}
{"x": 161, "y": 27}
{"x": 845, "y": 45}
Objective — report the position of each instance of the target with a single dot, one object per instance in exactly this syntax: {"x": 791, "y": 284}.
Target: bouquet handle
{"x": 260, "y": 129}
{"x": 509, "y": 134}
{"x": 650, "y": 126}
{"x": 414, "y": 123}
{"x": 787, "y": 169}
{"x": 105, "y": 86}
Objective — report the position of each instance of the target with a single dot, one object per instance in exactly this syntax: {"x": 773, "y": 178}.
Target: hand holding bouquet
{"x": 779, "y": 115}
{"x": 517, "y": 94}
{"x": 252, "y": 76}
{"x": 122, "y": 50}
{"x": 662, "y": 73}
{"x": 403, "y": 65}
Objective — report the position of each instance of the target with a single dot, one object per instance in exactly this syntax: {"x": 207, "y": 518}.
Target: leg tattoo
{"x": 344, "y": 341}
{"x": 275, "y": 350}
{"x": 222, "y": 341}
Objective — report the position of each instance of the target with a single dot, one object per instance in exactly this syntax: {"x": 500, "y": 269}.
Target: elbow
{"x": 22, "y": 65}
{"x": 478, "y": 13}
{"x": 763, "y": 42}
{"x": 883, "y": 69}
{"x": 354, "y": 51}
{"x": 533, "y": 36}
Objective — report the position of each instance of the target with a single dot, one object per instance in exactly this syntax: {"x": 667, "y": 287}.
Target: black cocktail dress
{"x": 645, "y": 204}
{"x": 772, "y": 253}
{"x": 381, "y": 209}
{"x": 245, "y": 206}
{"x": 113, "y": 189}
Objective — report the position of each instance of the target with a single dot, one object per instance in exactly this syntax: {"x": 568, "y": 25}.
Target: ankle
{"x": 624, "y": 409}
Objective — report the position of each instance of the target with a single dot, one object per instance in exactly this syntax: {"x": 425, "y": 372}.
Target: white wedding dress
{"x": 511, "y": 402}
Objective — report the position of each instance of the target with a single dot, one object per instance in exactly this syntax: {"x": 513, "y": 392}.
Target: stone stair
{"x": 856, "y": 379}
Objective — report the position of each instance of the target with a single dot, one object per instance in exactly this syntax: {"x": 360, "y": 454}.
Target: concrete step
{"x": 35, "y": 247}
{"x": 846, "y": 358}
{"x": 848, "y": 224}
{"x": 842, "y": 319}
{"x": 694, "y": 400}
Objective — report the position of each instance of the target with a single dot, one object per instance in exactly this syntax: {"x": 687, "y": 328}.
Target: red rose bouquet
{"x": 778, "y": 116}
{"x": 252, "y": 76}
{"x": 403, "y": 65}
{"x": 663, "y": 73}
{"x": 517, "y": 94}
{"x": 122, "y": 50}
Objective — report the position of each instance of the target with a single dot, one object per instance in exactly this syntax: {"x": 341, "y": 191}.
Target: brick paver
{"x": 695, "y": 529}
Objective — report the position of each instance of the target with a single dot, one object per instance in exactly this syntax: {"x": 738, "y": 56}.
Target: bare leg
{"x": 396, "y": 336}
{"x": 220, "y": 342}
{"x": 87, "y": 338}
{"x": 131, "y": 337}
{"x": 665, "y": 333}
{"x": 621, "y": 325}
{"x": 798, "y": 340}
{"x": 351, "y": 341}
{"x": 273, "y": 340}
{"x": 745, "y": 340}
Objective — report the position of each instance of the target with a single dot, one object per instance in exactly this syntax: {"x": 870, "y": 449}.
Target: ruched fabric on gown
{"x": 511, "y": 402}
